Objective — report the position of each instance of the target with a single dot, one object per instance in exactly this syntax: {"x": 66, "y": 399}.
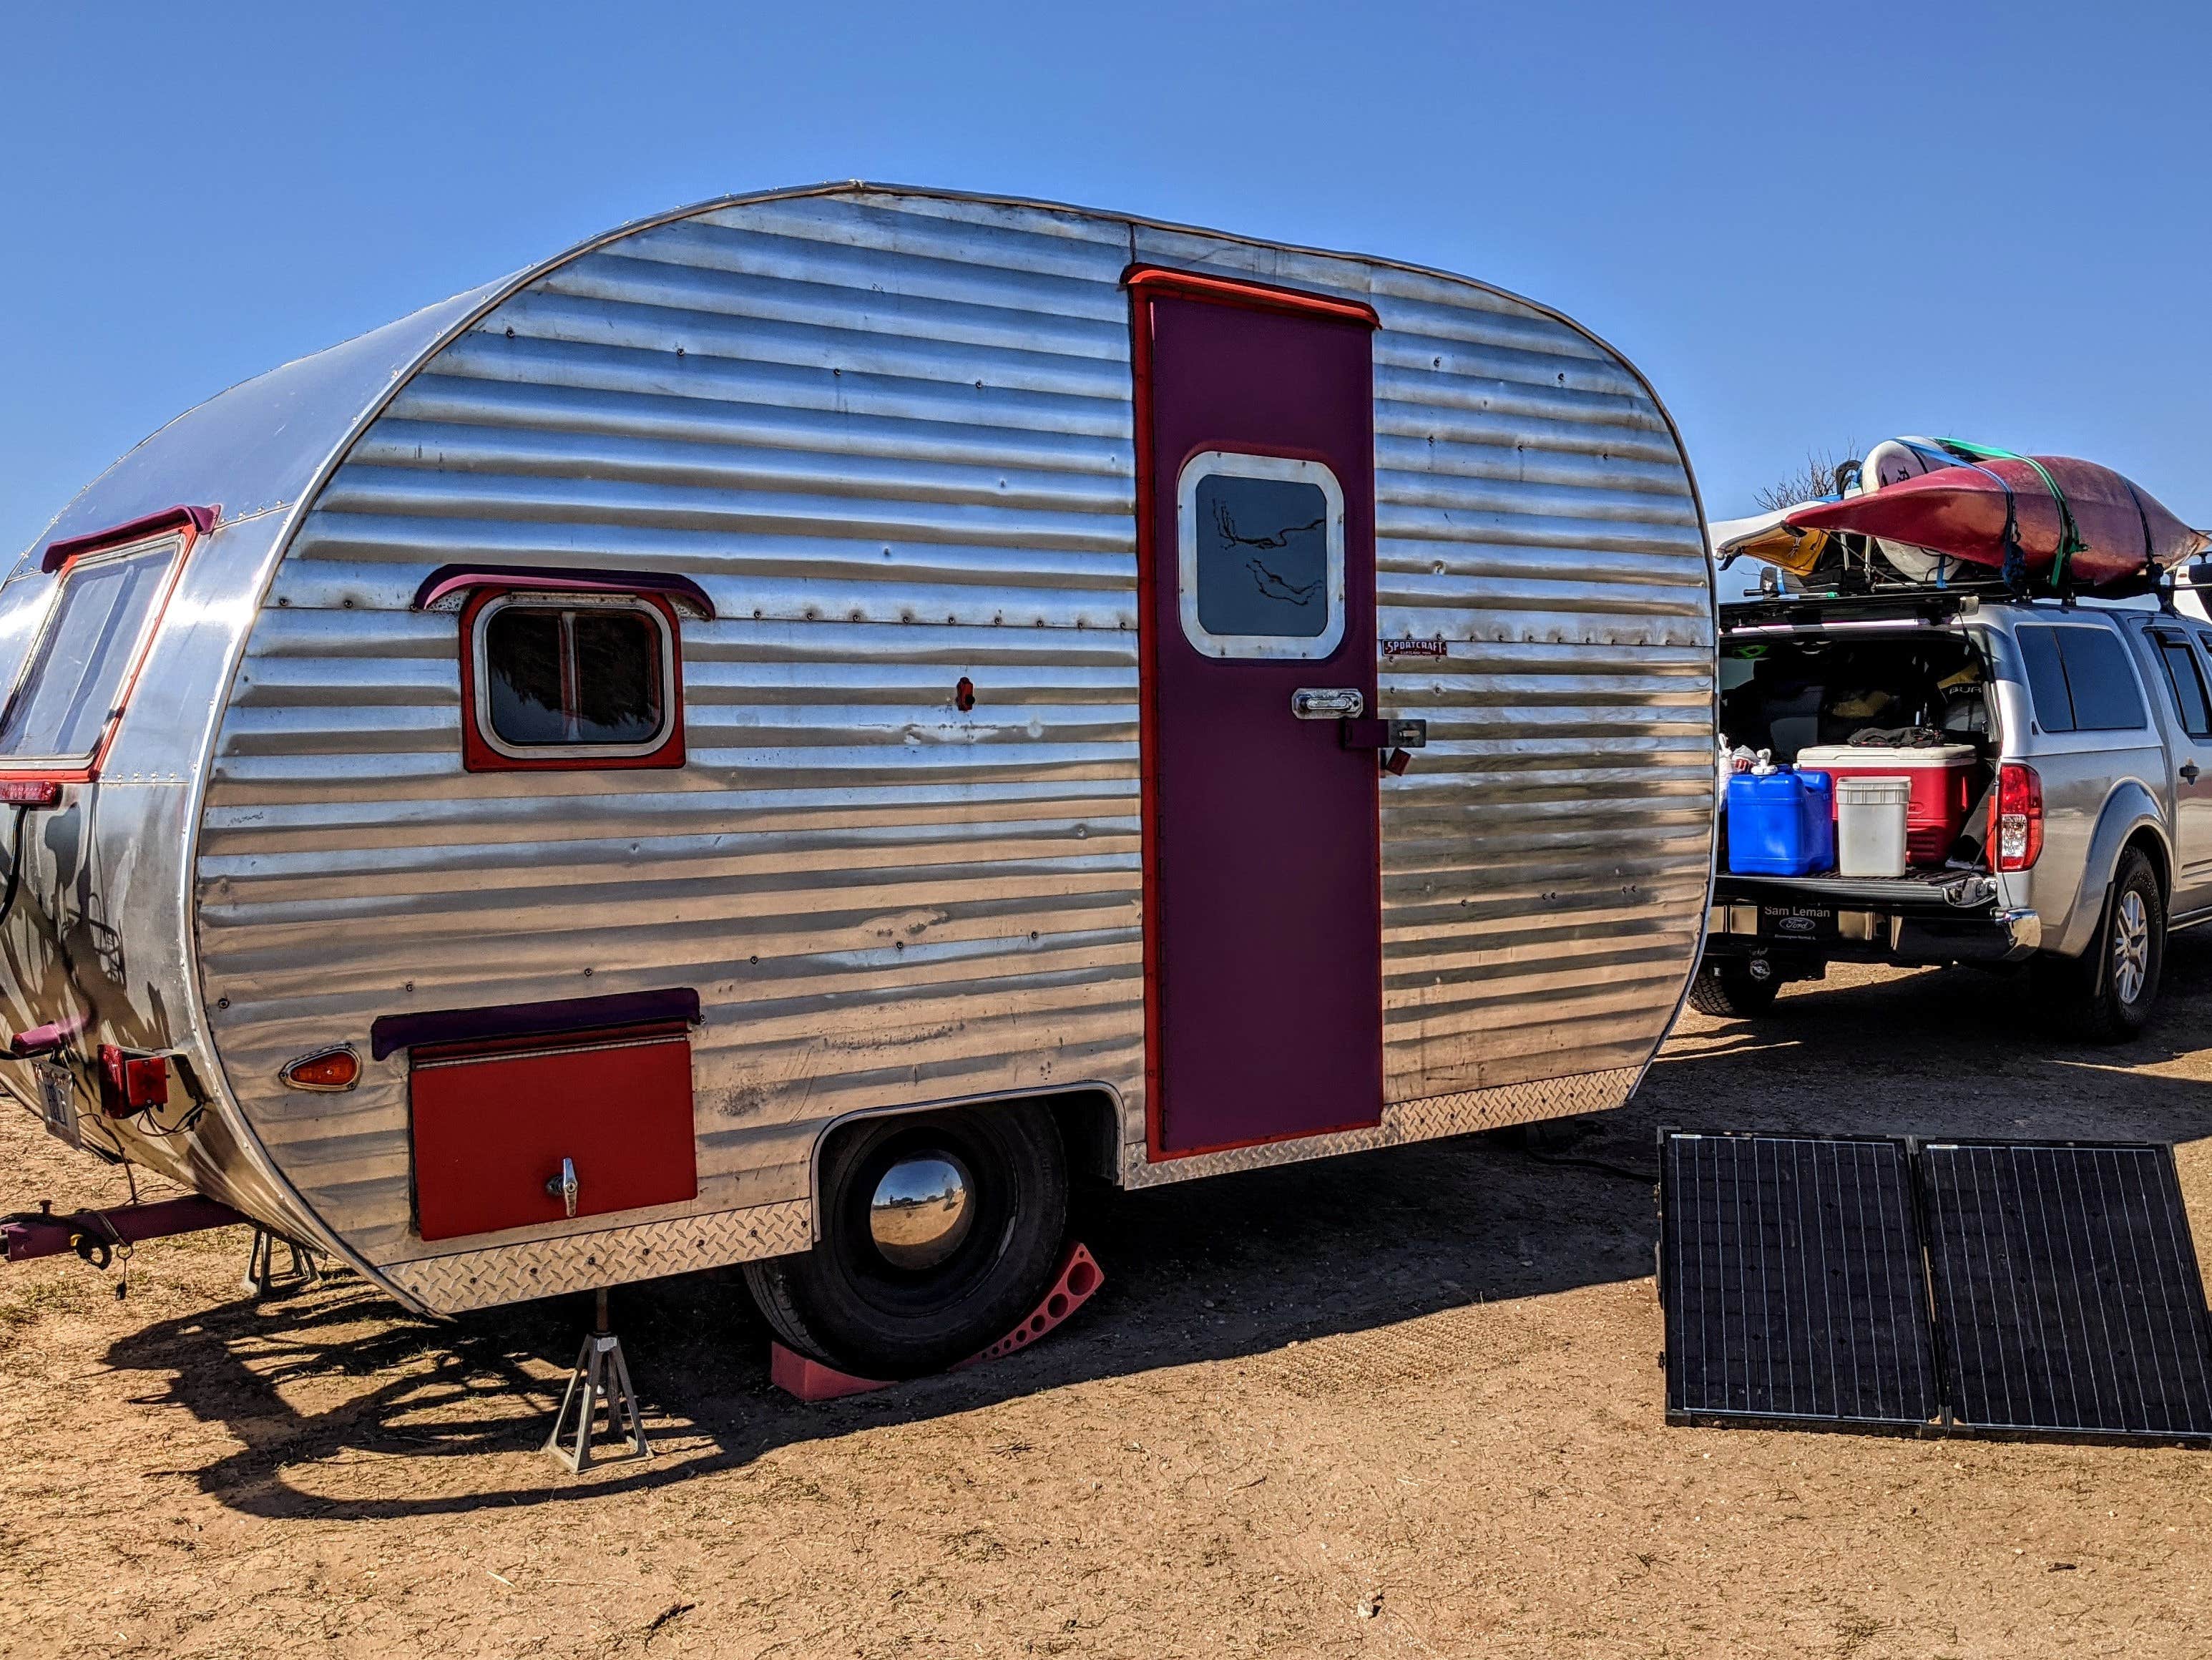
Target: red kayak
{"x": 2120, "y": 530}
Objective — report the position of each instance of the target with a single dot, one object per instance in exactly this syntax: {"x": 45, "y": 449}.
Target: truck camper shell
{"x": 499, "y": 800}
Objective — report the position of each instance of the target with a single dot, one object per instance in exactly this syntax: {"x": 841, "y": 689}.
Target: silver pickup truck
{"x": 2088, "y": 838}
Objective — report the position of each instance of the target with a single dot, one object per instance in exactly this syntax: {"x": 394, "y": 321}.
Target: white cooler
{"x": 1871, "y": 816}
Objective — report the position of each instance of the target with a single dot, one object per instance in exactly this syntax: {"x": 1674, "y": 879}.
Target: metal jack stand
{"x": 601, "y": 1377}
{"x": 261, "y": 1277}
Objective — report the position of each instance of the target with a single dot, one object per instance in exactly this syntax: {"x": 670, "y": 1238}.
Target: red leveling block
{"x": 1080, "y": 1276}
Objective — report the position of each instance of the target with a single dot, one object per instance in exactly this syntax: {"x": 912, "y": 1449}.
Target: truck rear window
{"x": 74, "y": 680}
{"x": 2080, "y": 679}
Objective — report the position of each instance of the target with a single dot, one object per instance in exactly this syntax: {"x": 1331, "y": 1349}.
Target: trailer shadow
{"x": 344, "y": 1408}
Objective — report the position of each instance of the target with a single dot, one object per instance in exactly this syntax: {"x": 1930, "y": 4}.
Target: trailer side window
{"x": 2187, "y": 682}
{"x": 570, "y": 681}
{"x": 1260, "y": 557}
{"x": 74, "y": 684}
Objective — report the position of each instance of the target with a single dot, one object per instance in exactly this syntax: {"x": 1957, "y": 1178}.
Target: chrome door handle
{"x": 2188, "y": 772}
{"x": 1328, "y": 703}
{"x": 563, "y": 1187}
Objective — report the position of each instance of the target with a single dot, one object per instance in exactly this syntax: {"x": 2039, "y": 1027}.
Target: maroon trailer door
{"x": 1255, "y": 459}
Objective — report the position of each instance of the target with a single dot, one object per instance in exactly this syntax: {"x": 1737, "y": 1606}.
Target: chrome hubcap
{"x": 2130, "y": 947}
{"x": 922, "y": 1209}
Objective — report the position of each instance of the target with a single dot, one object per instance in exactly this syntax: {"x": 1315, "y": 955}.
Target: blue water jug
{"x": 1780, "y": 823}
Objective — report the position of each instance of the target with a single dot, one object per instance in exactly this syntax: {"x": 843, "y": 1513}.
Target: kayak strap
{"x": 2070, "y": 534}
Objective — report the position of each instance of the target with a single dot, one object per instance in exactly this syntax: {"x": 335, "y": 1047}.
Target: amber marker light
{"x": 329, "y": 1069}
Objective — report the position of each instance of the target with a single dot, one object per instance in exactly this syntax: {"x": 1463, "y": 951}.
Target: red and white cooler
{"x": 1942, "y": 776}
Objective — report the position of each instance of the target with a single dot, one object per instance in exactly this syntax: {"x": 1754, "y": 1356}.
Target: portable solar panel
{"x": 1791, "y": 1277}
{"x": 2067, "y": 1298}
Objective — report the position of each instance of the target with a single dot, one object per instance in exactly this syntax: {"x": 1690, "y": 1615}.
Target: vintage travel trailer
{"x": 789, "y": 732}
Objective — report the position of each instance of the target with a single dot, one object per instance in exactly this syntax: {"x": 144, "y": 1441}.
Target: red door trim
{"x": 1143, "y": 283}
{"x": 1253, "y": 297}
{"x": 1148, "y": 747}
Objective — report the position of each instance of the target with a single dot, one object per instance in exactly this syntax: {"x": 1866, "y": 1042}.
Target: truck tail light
{"x": 2017, "y": 834}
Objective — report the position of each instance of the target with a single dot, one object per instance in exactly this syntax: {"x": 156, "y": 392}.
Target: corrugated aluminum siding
{"x": 891, "y": 436}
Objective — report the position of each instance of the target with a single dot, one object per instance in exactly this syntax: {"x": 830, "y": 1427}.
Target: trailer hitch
{"x": 97, "y": 1235}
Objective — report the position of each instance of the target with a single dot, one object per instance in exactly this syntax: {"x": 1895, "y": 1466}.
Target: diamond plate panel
{"x": 1428, "y": 1120}
{"x": 585, "y": 1261}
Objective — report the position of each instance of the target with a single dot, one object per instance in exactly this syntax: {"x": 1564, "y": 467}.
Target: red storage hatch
{"x": 493, "y": 1119}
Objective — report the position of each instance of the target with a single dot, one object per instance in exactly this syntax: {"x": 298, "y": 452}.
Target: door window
{"x": 1260, "y": 559}
{"x": 2187, "y": 682}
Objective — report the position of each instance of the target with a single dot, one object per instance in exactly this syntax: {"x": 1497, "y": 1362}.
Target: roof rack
{"x": 1908, "y": 605}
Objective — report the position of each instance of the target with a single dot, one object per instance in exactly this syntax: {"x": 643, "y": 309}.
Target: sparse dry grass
{"x": 1400, "y": 1405}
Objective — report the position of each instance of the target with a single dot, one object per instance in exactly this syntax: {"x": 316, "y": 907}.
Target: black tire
{"x": 847, "y": 1305}
{"x": 1730, "y": 988}
{"x": 2106, "y": 994}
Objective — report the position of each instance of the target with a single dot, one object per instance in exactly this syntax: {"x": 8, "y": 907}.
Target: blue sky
{"x": 1808, "y": 225}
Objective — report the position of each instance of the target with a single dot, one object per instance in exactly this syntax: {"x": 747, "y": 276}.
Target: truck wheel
{"x": 2107, "y": 993}
{"x": 940, "y": 1232}
{"x": 1726, "y": 989}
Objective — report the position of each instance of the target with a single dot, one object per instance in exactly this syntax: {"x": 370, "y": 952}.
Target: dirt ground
{"x": 1402, "y": 1404}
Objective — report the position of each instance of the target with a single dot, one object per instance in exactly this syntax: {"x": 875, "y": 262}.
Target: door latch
{"x": 1383, "y": 734}
{"x": 563, "y": 1187}
{"x": 1391, "y": 739}
{"x": 2188, "y": 772}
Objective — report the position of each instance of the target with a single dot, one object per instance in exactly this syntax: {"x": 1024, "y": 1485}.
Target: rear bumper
{"x": 1825, "y": 928}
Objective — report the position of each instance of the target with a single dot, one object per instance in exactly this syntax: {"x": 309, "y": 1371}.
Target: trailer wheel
{"x": 940, "y": 1232}
{"x": 2105, "y": 994}
{"x": 1735, "y": 989}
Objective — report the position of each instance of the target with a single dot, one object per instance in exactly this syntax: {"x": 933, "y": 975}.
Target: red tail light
{"x": 2016, "y": 818}
{"x": 131, "y": 1083}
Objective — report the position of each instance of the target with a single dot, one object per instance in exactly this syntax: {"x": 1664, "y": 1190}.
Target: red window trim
{"x": 191, "y": 523}
{"x": 198, "y": 520}
{"x": 480, "y": 754}
{"x": 1236, "y": 291}
{"x": 440, "y": 589}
